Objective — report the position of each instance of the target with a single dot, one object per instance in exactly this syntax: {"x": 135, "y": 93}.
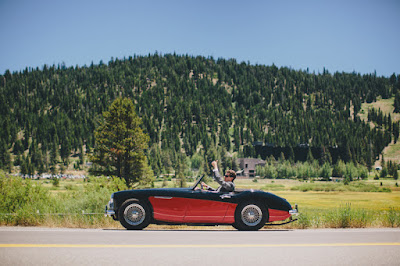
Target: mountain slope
{"x": 188, "y": 104}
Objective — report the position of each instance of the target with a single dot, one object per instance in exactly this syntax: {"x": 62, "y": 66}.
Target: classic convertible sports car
{"x": 244, "y": 209}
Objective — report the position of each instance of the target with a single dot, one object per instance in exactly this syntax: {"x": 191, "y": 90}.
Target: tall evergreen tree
{"x": 120, "y": 143}
{"x": 397, "y": 102}
{"x": 310, "y": 157}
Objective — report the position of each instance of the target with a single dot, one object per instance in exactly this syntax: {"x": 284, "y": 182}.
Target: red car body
{"x": 245, "y": 209}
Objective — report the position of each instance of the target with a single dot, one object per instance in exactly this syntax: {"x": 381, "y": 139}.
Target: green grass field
{"x": 320, "y": 209}
{"x": 311, "y": 199}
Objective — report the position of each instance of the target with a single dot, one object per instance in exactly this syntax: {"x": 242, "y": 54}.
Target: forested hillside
{"x": 190, "y": 106}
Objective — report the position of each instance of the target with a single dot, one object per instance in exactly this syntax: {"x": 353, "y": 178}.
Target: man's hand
{"x": 205, "y": 185}
{"x": 215, "y": 164}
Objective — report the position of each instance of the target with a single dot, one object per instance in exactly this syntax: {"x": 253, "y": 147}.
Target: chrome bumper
{"x": 295, "y": 211}
{"x": 108, "y": 212}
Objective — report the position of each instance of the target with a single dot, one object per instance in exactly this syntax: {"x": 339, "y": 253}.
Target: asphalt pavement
{"x": 48, "y": 246}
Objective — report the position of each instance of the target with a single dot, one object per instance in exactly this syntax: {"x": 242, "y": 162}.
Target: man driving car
{"x": 226, "y": 185}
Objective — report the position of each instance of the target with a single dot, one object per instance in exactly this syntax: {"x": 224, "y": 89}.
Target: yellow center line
{"x": 196, "y": 246}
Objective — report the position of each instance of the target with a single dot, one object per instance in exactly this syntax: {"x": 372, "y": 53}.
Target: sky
{"x": 344, "y": 36}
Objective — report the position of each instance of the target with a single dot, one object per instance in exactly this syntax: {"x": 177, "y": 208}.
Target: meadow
{"x": 80, "y": 203}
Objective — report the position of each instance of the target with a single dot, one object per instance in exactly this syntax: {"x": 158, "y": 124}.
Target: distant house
{"x": 248, "y": 167}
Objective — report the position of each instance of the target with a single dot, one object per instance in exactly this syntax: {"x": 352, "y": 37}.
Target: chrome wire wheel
{"x": 251, "y": 215}
{"x": 134, "y": 214}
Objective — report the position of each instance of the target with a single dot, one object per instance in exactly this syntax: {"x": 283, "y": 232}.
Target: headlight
{"x": 109, "y": 211}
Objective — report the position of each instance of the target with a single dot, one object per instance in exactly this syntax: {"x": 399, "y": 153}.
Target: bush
{"x": 339, "y": 169}
{"x": 269, "y": 171}
{"x": 395, "y": 175}
{"x": 273, "y": 187}
{"x": 22, "y": 198}
{"x": 393, "y": 217}
{"x": 364, "y": 173}
{"x": 196, "y": 161}
{"x": 384, "y": 172}
{"x": 56, "y": 181}
{"x": 328, "y": 187}
{"x": 304, "y": 221}
{"x": 311, "y": 170}
{"x": 326, "y": 171}
{"x": 69, "y": 187}
{"x": 351, "y": 172}
{"x": 28, "y": 203}
{"x": 345, "y": 217}
{"x": 285, "y": 170}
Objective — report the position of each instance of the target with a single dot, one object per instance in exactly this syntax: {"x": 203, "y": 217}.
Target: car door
{"x": 209, "y": 207}
{"x": 168, "y": 209}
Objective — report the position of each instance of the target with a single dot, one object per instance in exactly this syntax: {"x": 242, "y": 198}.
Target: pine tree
{"x": 281, "y": 157}
{"x": 291, "y": 154}
{"x": 120, "y": 144}
{"x": 310, "y": 157}
{"x": 383, "y": 164}
{"x": 397, "y": 102}
{"x": 396, "y": 131}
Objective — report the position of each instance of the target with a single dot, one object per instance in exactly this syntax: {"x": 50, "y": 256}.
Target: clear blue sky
{"x": 361, "y": 36}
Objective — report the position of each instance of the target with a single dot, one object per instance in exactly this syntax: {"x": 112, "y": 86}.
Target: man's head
{"x": 230, "y": 176}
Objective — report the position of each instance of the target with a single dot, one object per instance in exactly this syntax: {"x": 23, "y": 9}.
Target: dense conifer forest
{"x": 191, "y": 107}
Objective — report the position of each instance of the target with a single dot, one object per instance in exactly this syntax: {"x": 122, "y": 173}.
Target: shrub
{"x": 393, "y": 217}
{"x": 326, "y": 171}
{"x": 339, "y": 169}
{"x": 364, "y": 173}
{"x": 69, "y": 187}
{"x": 304, "y": 221}
{"x": 56, "y": 181}
{"x": 384, "y": 172}
{"x": 328, "y": 187}
{"x": 270, "y": 171}
{"x": 303, "y": 171}
{"x": 22, "y": 198}
{"x": 351, "y": 172}
{"x": 345, "y": 217}
{"x": 273, "y": 187}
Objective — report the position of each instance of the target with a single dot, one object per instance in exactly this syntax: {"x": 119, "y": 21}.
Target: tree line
{"x": 190, "y": 106}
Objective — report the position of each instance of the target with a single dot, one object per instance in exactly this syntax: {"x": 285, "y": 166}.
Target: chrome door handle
{"x": 225, "y": 196}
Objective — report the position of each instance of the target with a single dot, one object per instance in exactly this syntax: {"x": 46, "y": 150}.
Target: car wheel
{"x": 134, "y": 215}
{"x": 250, "y": 216}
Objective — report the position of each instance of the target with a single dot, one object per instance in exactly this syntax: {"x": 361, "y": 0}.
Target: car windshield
{"x": 197, "y": 182}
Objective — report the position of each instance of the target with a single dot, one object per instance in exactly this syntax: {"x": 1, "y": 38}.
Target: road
{"x": 46, "y": 246}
